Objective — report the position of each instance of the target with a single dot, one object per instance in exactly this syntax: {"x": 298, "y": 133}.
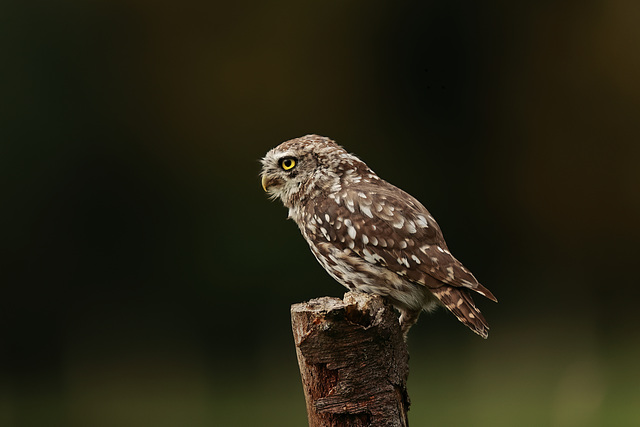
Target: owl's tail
{"x": 460, "y": 303}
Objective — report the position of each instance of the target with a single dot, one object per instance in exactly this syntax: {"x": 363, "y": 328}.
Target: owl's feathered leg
{"x": 408, "y": 318}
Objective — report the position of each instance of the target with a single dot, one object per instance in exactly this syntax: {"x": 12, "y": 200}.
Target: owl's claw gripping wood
{"x": 369, "y": 235}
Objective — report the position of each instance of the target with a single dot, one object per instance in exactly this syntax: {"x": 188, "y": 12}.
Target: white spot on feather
{"x": 371, "y": 257}
{"x": 399, "y": 222}
{"x": 352, "y": 232}
{"x": 366, "y": 210}
{"x": 323, "y": 231}
{"x": 421, "y": 221}
{"x": 450, "y": 272}
{"x": 416, "y": 259}
{"x": 403, "y": 261}
{"x": 350, "y": 206}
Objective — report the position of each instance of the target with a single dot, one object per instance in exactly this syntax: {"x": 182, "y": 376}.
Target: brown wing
{"x": 386, "y": 226}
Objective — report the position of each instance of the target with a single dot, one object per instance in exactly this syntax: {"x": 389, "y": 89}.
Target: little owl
{"x": 369, "y": 235}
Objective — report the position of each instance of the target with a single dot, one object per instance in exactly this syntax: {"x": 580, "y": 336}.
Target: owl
{"x": 369, "y": 235}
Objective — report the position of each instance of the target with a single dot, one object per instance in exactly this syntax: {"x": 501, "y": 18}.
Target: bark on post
{"x": 353, "y": 361}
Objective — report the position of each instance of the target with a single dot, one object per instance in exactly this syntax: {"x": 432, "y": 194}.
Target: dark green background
{"x": 146, "y": 279}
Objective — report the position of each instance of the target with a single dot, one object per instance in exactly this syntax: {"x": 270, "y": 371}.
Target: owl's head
{"x": 298, "y": 166}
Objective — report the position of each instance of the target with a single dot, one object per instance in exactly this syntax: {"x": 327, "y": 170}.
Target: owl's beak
{"x": 269, "y": 181}
{"x": 266, "y": 182}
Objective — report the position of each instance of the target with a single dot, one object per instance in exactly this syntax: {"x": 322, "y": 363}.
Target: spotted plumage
{"x": 369, "y": 235}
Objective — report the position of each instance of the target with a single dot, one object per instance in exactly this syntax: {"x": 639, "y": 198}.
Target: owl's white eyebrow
{"x": 285, "y": 155}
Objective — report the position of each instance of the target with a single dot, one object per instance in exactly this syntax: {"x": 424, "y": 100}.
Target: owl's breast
{"x": 356, "y": 274}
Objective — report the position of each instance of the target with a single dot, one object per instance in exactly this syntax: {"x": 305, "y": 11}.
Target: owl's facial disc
{"x": 278, "y": 174}
{"x": 285, "y": 170}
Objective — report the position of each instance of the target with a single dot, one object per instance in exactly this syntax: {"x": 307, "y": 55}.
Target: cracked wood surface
{"x": 353, "y": 361}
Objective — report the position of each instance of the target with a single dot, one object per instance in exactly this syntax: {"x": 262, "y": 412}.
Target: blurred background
{"x": 146, "y": 279}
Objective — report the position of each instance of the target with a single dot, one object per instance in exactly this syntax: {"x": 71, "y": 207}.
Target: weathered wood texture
{"x": 353, "y": 361}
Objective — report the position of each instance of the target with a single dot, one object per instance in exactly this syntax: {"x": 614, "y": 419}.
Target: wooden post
{"x": 353, "y": 361}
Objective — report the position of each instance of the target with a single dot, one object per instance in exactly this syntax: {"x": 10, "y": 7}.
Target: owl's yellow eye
{"x": 287, "y": 163}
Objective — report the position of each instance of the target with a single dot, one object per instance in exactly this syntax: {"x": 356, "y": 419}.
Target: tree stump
{"x": 353, "y": 361}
